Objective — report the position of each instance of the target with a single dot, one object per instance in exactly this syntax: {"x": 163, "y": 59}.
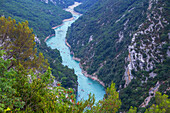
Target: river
{"x": 86, "y": 85}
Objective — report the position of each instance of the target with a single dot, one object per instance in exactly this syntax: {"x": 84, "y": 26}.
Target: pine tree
{"x": 110, "y": 104}
{"x": 162, "y": 104}
{"x": 20, "y": 39}
{"x": 8, "y": 94}
{"x": 23, "y": 90}
{"x": 132, "y": 110}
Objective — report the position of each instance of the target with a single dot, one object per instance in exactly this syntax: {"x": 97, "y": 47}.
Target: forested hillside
{"x": 41, "y": 18}
{"x": 120, "y": 41}
{"x": 85, "y": 6}
{"x": 60, "y": 3}
{"x": 126, "y": 42}
{"x": 95, "y": 36}
{"x": 26, "y": 82}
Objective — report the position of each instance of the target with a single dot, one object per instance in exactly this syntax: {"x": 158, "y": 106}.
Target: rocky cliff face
{"x": 149, "y": 46}
{"x": 126, "y": 42}
{"x": 147, "y": 43}
{"x": 46, "y": 1}
{"x": 101, "y": 36}
{"x": 61, "y": 3}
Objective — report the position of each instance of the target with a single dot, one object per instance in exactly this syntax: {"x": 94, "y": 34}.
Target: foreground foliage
{"x": 18, "y": 42}
{"x": 28, "y": 92}
{"x": 41, "y": 22}
{"x": 26, "y": 82}
{"x": 102, "y": 38}
{"x": 162, "y": 105}
{"x": 23, "y": 91}
{"x": 110, "y": 104}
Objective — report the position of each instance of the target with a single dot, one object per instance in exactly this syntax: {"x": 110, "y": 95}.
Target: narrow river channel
{"x": 86, "y": 85}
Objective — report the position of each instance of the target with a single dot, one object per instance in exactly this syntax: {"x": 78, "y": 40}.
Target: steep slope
{"x": 61, "y": 3}
{"x": 42, "y": 17}
{"x": 126, "y": 42}
{"x": 103, "y": 34}
{"x": 148, "y": 60}
{"x": 85, "y": 6}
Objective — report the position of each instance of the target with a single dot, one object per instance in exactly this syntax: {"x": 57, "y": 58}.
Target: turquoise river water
{"x": 86, "y": 85}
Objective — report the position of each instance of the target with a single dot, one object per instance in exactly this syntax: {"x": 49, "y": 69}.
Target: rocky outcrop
{"x": 61, "y": 3}
{"x": 46, "y": 1}
{"x": 146, "y": 44}
{"x": 152, "y": 93}
{"x": 36, "y": 39}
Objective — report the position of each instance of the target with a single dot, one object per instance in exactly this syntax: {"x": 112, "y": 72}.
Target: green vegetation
{"x": 62, "y": 73}
{"x": 101, "y": 38}
{"x": 18, "y": 42}
{"x": 59, "y": 71}
{"x": 110, "y": 104}
{"x": 42, "y": 17}
{"x": 28, "y": 88}
{"x": 137, "y": 90}
{"x": 62, "y": 3}
{"x": 26, "y": 79}
{"x": 85, "y": 6}
{"x": 139, "y": 87}
{"x": 162, "y": 104}
{"x": 105, "y": 50}
{"x": 22, "y": 93}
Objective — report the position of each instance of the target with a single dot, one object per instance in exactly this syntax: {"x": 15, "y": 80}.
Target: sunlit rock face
{"x": 46, "y": 1}
{"x": 146, "y": 45}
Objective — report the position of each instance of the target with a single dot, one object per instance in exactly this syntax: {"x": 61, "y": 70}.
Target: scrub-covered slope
{"x": 125, "y": 42}
{"x": 41, "y": 18}
{"x": 103, "y": 33}
{"x": 85, "y": 6}
{"x": 61, "y": 3}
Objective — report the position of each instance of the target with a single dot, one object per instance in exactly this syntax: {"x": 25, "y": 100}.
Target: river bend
{"x": 85, "y": 85}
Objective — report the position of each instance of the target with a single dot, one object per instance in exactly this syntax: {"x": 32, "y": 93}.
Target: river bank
{"x": 71, "y": 10}
{"x": 69, "y": 19}
{"x": 67, "y": 44}
{"x": 57, "y": 26}
{"x": 49, "y": 37}
{"x": 86, "y": 83}
{"x": 83, "y": 71}
{"x": 90, "y": 76}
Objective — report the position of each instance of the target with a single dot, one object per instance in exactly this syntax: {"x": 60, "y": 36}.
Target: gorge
{"x": 52, "y": 57}
{"x": 85, "y": 85}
